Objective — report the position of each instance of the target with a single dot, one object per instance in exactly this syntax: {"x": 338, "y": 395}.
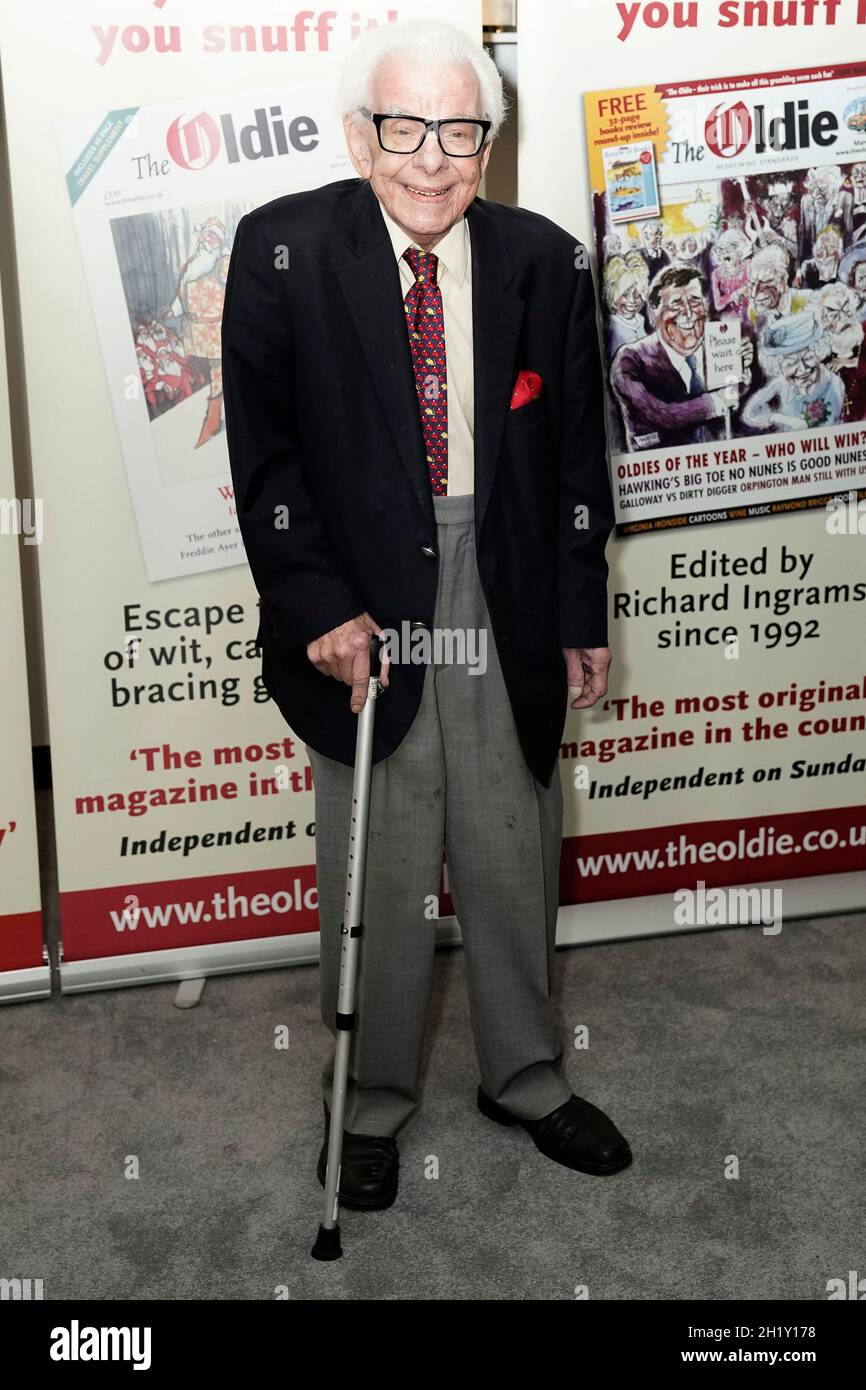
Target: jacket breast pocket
{"x": 525, "y": 416}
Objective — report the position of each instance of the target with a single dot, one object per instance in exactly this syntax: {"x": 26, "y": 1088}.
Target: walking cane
{"x": 327, "y": 1246}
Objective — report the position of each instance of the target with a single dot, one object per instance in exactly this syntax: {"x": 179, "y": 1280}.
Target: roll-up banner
{"x": 138, "y": 136}
{"x": 24, "y": 972}
{"x": 691, "y": 138}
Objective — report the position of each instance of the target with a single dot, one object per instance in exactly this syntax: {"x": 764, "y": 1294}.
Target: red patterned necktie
{"x": 426, "y": 324}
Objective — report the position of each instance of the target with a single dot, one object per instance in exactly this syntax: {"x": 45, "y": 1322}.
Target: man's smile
{"x": 429, "y": 193}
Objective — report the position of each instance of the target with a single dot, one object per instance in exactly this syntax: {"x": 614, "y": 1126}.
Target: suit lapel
{"x": 370, "y": 281}
{"x": 371, "y": 285}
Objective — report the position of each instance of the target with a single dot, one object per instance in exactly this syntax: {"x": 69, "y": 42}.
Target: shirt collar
{"x": 452, "y": 250}
{"x": 678, "y": 359}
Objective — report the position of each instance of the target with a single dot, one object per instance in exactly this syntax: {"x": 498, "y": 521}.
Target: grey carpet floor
{"x": 704, "y": 1048}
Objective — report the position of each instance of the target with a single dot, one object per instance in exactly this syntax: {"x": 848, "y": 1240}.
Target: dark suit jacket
{"x": 655, "y": 405}
{"x": 322, "y": 418}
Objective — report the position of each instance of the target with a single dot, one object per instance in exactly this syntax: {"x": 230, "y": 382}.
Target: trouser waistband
{"x": 454, "y": 509}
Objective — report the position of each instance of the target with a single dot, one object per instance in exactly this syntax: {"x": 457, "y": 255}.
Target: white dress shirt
{"x": 454, "y": 278}
{"x": 678, "y": 360}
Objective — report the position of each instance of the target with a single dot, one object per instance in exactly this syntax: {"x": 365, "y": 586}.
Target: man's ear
{"x": 358, "y": 146}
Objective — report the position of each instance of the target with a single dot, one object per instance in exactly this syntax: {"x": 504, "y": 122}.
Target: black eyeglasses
{"x": 405, "y": 134}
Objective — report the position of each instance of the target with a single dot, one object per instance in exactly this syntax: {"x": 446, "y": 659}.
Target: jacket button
{"x": 416, "y": 623}
{"x": 428, "y": 551}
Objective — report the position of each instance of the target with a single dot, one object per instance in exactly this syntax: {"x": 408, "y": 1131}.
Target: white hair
{"x": 432, "y": 42}
{"x": 830, "y": 171}
{"x": 771, "y": 261}
{"x": 736, "y": 240}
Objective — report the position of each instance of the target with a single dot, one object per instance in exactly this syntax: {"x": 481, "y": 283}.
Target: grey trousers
{"x": 458, "y": 780}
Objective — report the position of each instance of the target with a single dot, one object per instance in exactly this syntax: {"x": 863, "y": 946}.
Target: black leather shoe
{"x": 577, "y": 1135}
{"x": 369, "y": 1170}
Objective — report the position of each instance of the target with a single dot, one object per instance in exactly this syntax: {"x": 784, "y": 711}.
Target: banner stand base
{"x": 20, "y": 986}
{"x": 217, "y": 958}
{"x": 585, "y": 924}
{"x": 620, "y": 919}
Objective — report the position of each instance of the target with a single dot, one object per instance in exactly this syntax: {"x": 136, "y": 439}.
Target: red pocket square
{"x": 527, "y": 386}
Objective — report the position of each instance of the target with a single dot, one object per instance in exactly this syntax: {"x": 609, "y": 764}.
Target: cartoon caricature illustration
{"x": 753, "y": 321}
{"x": 800, "y": 392}
{"x": 773, "y": 223}
{"x": 652, "y": 247}
{"x": 198, "y": 303}
{"x": 823, "y": 266}
{"x": 858, "y": 211}
{"x": 626, "y": 283}
{"x": 842, "y": 345}
{"x": 852, "y": 272}
{"x": 730, "y": 275}
{"x": 771, "y": 296}
{"x": 825, "y": 203}
{"x": 659, "y": 381}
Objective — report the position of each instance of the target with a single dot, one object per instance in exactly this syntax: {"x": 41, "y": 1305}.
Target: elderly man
{"x": 771, "y": 297}
{"x": 842, "y": 345}
{"x": 421, "y": 392}
{"x": 852, "y": 272}
{"x": 770, "y": 294}
{"x": 779, "y": 226}
{"x": 826, "y": 203}
{"x": 837, "y": 306}
{"x": 653, "y": 247}
{"x": 823, "y": 266}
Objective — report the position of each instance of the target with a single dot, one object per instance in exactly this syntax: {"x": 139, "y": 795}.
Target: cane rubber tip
{"x": 327, "y": 1246}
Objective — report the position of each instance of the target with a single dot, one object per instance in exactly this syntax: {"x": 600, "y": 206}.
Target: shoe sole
{"x": 500, "y": 1116}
